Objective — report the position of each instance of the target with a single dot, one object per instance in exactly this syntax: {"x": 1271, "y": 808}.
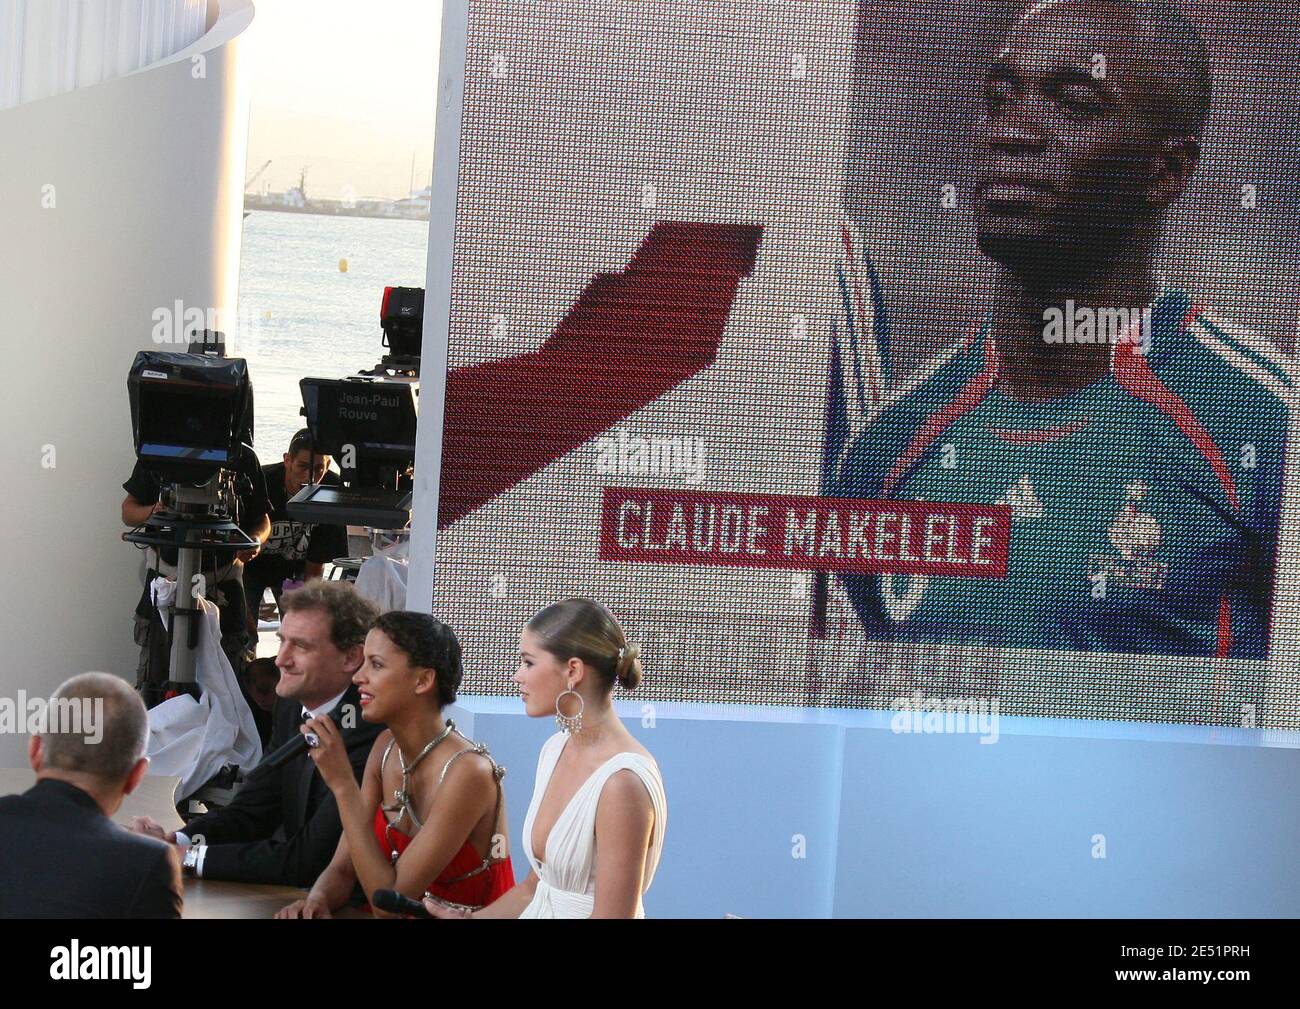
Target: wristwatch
{"x": 191, "y": 861}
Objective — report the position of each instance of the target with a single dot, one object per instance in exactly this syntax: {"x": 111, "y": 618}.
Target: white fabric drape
{"x": 49, "y": 47}
{"x": 193, "y": 739}
{"x": 382, "y": 578}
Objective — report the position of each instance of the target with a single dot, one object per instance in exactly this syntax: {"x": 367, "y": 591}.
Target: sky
{"x": 344, "y": 88}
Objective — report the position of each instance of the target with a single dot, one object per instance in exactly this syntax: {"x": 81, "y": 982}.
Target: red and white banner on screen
{"x": 804, "y": 533}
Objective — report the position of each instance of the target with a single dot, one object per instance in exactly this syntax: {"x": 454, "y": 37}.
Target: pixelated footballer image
{"x": 852, "y": 348}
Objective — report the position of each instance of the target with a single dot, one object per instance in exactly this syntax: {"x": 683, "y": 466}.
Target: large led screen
{"x": 857, "y": 351}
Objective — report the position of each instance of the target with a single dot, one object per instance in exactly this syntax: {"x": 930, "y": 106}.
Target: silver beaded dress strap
{"x": 498, "y": 772}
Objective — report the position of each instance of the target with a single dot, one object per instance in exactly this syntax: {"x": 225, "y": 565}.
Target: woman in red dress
{"x": 428, "y": 818}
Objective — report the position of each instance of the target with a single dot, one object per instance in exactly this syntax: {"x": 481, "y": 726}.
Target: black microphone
{"x": 398, "y": 903}
{"x": 287, "y": 751}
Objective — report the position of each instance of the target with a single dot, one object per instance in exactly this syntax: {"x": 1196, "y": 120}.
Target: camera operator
{"x": 221, "y": 571}
{"x": 296, "y": 551}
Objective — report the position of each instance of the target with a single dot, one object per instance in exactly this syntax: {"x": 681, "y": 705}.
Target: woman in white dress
{"x": 595, "y": 826}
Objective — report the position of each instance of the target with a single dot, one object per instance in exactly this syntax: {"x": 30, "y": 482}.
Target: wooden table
{"x": 215, "y": 898}
{"x": 154, "y": 797}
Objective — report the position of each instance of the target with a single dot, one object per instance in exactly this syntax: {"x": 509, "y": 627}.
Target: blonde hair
{"x": 587, "y": 630}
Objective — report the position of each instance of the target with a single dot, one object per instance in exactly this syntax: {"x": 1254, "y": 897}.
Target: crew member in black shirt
{"x": 295, "y": 551}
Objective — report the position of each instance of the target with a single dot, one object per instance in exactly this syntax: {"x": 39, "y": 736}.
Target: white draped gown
{"x": 566, "y": 885}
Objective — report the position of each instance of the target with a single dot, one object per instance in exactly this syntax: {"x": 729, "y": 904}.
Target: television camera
{"x": 192, "y": 423}
{"x": 367, "y": 423}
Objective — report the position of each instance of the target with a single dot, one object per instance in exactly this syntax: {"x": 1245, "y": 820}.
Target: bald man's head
{"x": 1093, "y": 112}
{"x": 107, "y": 737}
{"x": 1178, "y": 86}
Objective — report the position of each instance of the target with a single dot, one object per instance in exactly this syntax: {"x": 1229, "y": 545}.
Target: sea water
{"x": 301, "y": 315}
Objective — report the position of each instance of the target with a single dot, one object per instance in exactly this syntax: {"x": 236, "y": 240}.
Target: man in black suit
{"x": 63, "y": 855}
{"x": 283, "y": 825}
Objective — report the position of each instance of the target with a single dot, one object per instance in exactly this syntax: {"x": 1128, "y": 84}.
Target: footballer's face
{"x": 1068, "y": 159}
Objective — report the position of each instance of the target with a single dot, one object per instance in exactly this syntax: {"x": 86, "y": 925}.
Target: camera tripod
{"x": 198, "y": 521}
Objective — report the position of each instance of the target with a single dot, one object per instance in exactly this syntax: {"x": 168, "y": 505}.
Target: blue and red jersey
{"x": 1145, "y": 507}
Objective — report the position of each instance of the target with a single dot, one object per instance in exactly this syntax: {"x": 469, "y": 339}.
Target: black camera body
{"x": 401, "y": 316}
{"x": 191, "y": 423}
{"x": 367, "y": 423}
{"x": 191, "y": 414}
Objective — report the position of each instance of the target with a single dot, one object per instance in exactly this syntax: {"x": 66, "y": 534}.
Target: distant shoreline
{"x": 329, "y": 208}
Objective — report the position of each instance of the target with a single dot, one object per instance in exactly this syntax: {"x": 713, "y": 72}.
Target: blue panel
{"x": 1197, "y": 821}
{"x": 942, "y": 825}
{"x": 738, "y": 794}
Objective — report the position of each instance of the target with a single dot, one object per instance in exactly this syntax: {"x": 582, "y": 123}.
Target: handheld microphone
{"x": 398, "y": 903}
{"x": 286, "y": 752}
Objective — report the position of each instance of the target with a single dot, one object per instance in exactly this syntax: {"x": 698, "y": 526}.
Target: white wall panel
{"x": 51, "y": 47}
{"x": 105, "y": 219}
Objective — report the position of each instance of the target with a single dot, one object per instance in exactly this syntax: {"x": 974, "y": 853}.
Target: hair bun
{"x": 627, "y": 669}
